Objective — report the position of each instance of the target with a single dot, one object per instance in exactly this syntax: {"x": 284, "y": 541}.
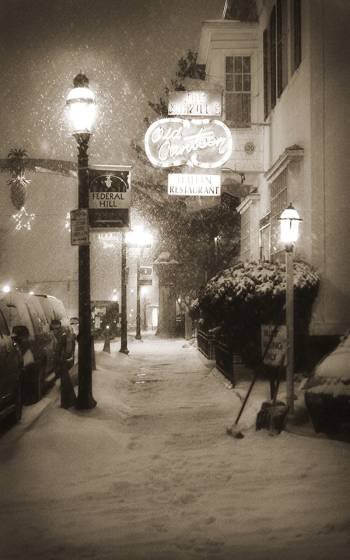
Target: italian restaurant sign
{"x": 192, "y": 184}
{"x": 203, "y": 143}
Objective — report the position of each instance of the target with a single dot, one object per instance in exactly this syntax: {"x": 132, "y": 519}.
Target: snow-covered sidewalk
{"x": 151, "y": 473}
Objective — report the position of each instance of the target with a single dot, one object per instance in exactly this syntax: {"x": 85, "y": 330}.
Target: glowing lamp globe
{"x": 139, "y": 238}
{"x": 81, "y": 106}
{"x": 289, "y": 221}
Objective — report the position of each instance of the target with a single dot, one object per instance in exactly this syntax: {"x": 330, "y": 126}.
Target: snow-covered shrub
{"x": 194, "y": 310}
{"x": 244, "y": 296}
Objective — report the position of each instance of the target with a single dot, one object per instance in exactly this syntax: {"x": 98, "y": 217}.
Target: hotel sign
{"x": 195, "y": 103}
{"x": 109, "y": 197}
{"x": 191, "y": 184}
{"x": 203, "y": 143}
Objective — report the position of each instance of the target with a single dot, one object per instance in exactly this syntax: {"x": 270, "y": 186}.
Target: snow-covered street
{"x": 152, "y": 474}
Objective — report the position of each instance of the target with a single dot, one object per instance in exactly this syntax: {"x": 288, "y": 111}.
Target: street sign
{"x": 79, "y": 227}
{"x": 109, "y": 197}
{"x": 274, "y": 339}
{"x": 145, "y": 275}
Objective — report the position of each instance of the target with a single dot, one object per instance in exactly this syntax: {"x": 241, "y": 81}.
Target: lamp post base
{"x": 85, "y": 402}
{"x": 124, "y": 351}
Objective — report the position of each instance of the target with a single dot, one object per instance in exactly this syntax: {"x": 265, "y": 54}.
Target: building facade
{"x": 285, "y": 81}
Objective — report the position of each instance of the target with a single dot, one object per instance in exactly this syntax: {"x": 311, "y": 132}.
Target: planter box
{"x": 224, "y": 359}
{"x": 205, "y": 342}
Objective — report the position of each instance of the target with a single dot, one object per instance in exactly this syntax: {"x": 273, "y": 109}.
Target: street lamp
{"x": 82, "y": 111}
{"x": 138, "y": 239}
{"x": 124, "y": 320}
{"x": 289, "y": 222}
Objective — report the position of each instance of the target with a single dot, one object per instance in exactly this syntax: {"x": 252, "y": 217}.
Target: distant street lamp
{"x": 82, "y": 111}
{"x": 124, "y": 320}
{"x": 289, "y": 222}
{"x": 138, "y": 239}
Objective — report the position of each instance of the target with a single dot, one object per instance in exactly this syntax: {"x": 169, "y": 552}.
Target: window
{"x": 267, "y": 100}
{"x": 275, "y": 53}
{"x": 278, "y": 196}
{"x": 238, "y": 90}
{"x": 3, "y": 326}
{"x": 15, "y": 318}
{"x": 264, "y": 237}
{"x": 273, "y": 64}
{"x": 282, "y": 45}
{"x": 245, "y": 235}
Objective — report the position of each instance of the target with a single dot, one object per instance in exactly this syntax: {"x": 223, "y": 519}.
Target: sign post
{"x": 79, "y": 227}
{"x": 274, "y": 344}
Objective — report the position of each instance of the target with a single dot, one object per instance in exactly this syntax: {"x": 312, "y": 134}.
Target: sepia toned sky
{"x": 127, "y": 48}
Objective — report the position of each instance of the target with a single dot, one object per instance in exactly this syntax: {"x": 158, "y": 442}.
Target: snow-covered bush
{"x": 194, "y": 310}
{"x": 244, "y": 296}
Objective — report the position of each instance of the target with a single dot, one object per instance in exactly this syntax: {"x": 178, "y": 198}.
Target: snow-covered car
{"x": 327, "y": 392}
{"x": 54, "y": 310}
{"x": 10, "y": 372}
{"x": 37, "y": 343}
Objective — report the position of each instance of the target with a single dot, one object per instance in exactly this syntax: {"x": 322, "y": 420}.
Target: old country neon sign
{"x": 197, "y": 142}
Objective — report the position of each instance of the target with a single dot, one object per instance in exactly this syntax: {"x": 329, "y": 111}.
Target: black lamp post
{"x": 82, "y": 109}
{"x": 289, "y": 222}
{"x": 124, "y": 320}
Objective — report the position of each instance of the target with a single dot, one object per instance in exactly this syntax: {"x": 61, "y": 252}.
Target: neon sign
{"x": 200, "y": 143}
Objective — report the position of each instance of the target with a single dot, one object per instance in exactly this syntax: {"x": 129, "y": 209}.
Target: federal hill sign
{"x": 109, "y": 197}
{"x": 203, "y": 143}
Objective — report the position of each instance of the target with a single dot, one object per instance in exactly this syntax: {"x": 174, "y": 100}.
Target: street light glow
{"x": 81, "y": 106}
{"x": 139, "y": 238}
{"x": 289, "y": 225}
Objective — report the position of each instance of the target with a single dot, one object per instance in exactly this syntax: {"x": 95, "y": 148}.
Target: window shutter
{"x": 279, "y": 48}
{"x": 297, "y": 32}
{"x": 273, "y": 56}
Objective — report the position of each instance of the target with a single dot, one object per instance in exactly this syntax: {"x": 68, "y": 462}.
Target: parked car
{"x": 31, "y": 330}
{"x": 11, "y": 369}
{"x": 327, "y": 392}
{"x": 54, "y": 309}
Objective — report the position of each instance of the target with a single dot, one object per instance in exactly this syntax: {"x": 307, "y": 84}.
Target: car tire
{"x": 32, "y": 384}
{"x": 38, "y": 385}
{"x": 16, "y": 415}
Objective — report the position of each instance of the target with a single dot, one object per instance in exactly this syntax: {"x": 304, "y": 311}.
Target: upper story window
{"x": 238, "y": 90}
{"x": 277, "y": 45}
